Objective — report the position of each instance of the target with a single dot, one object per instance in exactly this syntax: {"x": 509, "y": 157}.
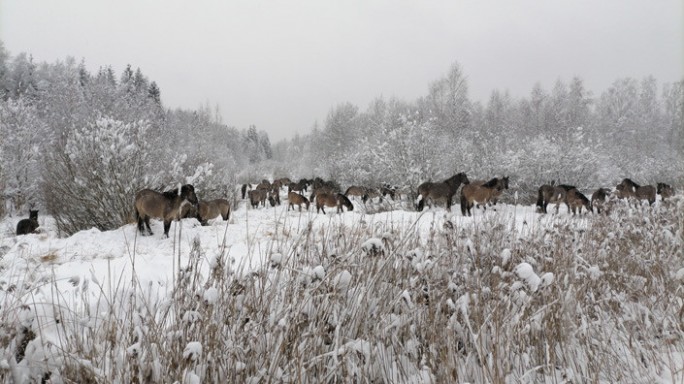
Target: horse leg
{"x": 167, "y": 226}
{"x": 141, "y": 225}
{"x": 464, "y": 204}
{"x": 147, "y": 224}
{"x": 421, "y": 204}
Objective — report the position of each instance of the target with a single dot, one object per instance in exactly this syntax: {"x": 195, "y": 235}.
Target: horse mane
{"x": 170, "y": 194}
{"x": 457, "y": 178}
{"x": 566, "y": 187}
{"x": 491, "y": 183}
{"x": 631, "y": 183}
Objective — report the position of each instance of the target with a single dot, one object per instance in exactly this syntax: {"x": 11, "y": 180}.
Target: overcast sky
{"x": 282, "y": 65}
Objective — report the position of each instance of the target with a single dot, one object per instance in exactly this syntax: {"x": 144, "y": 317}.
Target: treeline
{"x": 634, "y": 129}
{"x": 79, "y": 144}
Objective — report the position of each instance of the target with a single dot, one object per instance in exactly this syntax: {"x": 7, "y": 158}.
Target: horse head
{"x": 187, "y": 192}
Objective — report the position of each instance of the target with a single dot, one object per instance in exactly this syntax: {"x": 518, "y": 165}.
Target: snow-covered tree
{"x": 4, "y": 72}
{"x": 448, "y": 103}
{"x": 23, "y": 137}
{"x": 21, "y": 78}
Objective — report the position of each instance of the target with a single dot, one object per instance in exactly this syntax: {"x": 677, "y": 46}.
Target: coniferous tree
{"x": 154, "y": 93}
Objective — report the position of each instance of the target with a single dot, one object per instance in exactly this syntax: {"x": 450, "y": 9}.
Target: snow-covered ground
{"x": 248, "y": 238}
{"x": 44, "y": 272}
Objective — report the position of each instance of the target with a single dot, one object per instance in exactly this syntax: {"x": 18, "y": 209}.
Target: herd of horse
{"x": 575, "y": 200}
{"x": 183, "y": 202}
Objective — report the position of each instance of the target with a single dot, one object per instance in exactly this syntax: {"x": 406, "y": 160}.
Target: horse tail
{"x": 540, "y": 198}
{"x": 464, "y": 203}
{"x": 244, "y": 190}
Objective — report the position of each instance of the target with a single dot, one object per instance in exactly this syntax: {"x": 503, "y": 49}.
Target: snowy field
{"x": 508, "y": 295}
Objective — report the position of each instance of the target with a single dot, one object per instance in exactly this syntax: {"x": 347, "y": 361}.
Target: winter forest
{"x": 78, "y": 144}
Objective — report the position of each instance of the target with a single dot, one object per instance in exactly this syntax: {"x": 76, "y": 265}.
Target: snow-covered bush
{"x": 91, "y": 181}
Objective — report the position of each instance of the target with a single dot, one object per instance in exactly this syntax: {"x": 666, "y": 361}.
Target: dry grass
{"x": 449, "y": 307}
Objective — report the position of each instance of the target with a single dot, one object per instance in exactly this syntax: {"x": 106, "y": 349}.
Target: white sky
{"x": 282, "y": 65}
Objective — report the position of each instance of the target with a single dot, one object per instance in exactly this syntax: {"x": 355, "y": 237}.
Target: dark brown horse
{"x": 257, "y": 196}
{"x": 26, "y": 226}
{"x": 664, "y": 190}
{"x": 333, "y": 200}
{"x": 441, "y": 191}
{"x": 295, "y": 198}
{"x": 598, "y": 199}
{"x": 168, "y": 206}
{"x": 481, "y": 193}
{"x": 552, "y": 194}
{"x": 576, "y": 200}
{"x": 629, "y": 189}
{"x": 210, "y": 209}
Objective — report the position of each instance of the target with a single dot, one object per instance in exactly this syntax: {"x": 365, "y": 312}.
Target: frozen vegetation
{"x": 505, "y": 296}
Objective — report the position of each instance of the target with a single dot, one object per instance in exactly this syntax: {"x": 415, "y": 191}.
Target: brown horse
{"x": 481, "y": 193}
{"x": 299, "y": 186}
{"x": 441, "y": 191}
{"x": 553, "y": 194}
{"x": 295, "y": 198}
{"x": 598, "y": 199}
{"x": 664, "y": 190}
{"x": 629, "y": 189}
{"x": 279, "y": 183}
{"x": 576, "y": 200}
{"x": 274, "y": 196}
{"x": 358, "y": 191}
{"x": 168, "y": 206}
{"x": 265, "y": 185}
{"x": 503, "y": 184}
{"x": 257, "y": 196}
{"x": 322, "y": 189}
{"x": 210, "y": 209}
{"x": 332, "y": 200}
{"x": 373, "y": 193}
